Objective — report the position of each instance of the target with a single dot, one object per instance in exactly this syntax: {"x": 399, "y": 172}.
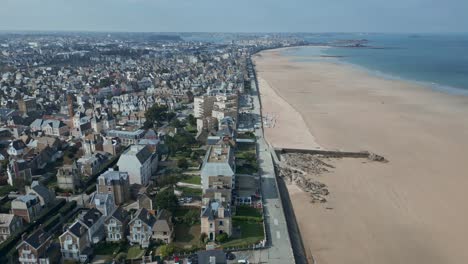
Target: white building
{"x": 202, "y": 106}
{"x": 139, "y": 162}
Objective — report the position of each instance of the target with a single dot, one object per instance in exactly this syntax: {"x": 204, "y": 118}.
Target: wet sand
{"x": 410, "y": 210}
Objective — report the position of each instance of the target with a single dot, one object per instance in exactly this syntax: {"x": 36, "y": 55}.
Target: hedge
{"x": 247, "y": 218}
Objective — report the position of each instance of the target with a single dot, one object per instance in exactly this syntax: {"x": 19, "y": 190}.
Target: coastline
{"x": 382, "y": 213}
{"x": 340, "y": 60}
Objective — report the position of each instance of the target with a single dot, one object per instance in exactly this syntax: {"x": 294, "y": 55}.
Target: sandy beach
{"x": 410, "y": 210}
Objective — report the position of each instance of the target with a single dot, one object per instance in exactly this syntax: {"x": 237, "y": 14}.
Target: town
{"x": 135, "y": 148}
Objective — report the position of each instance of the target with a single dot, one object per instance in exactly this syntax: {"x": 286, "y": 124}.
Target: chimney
{"x": 221, "y": 212}
{"x": 23, "y": 236}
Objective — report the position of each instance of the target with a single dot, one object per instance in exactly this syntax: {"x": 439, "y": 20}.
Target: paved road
{"x": 280, "y": 250}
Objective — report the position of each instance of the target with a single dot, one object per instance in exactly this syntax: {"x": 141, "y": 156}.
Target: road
{"x": 280, "y": 248}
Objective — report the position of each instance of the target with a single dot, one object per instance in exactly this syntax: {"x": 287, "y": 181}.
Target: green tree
{"x": 192, "y": 120}
{"x": 166, "y": 199}
{"x": 155, "y": 114}
{"x": 166, "y": 250}
{"x": 222, "y": 238}
{"x": 183, "y": 163}
{"x": 191, "y": 217}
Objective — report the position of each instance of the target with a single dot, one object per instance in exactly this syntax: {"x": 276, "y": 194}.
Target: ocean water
{"x": 440, "y": 61}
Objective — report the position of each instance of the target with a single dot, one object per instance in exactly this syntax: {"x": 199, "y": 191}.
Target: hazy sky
{"x": 236, "y": 15}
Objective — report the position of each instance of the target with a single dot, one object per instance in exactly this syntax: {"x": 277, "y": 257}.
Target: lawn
{"x": 186, "y": 236}
{"x": 191, "y": 179}
{"x": 248, "y": 211}
{"x": 181, "y": 211}
{"x": 187, "y": 191}
{"x": 250, "y": 233}
{"x": 104, "y": 248}
{"x": 135, "y": 252}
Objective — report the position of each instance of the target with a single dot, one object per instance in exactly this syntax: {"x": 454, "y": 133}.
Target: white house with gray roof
{"x": 140, "y": 162}
{"x": 218, "y": 162}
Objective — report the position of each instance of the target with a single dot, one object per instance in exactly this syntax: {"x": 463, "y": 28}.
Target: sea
{"x": 439, "y": 61}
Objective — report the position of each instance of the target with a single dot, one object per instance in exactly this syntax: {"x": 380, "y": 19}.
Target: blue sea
{"x": 440, "y": 61}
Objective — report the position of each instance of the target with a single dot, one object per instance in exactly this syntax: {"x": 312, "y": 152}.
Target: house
{"x": 139, "y": 162}
{"x": 50, "y": 127}
{"x": 141, "y": 228}
{"x": 163, "y": 229}
{"x": 26, "y": 206}
{"x": 103, "y": 202}
{"x": 93, "y": 220}
{"x": 116, "y": 225}
{"x": 45, "y": 195}
{"x": 75, "y": 244}
{"x": 145, "y": 202}
{"x": 33, "y": 249}
{"x": 116, "y": 183}
{"x": 69, "y": 177}
{"x": 216, "y": 219}
{"x": 9, "y": 225}
{"x": 92, "y": 164}
{"x": 17, "y": 148}
{"x": 19, "y": 172}
{"x": 212, "y": 257}
{"x": 218, "y": 162}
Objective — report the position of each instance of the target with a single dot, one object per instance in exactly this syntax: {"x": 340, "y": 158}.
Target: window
{"x": 117, "y": 236}
{"x": 211, "y": 225}
{"x": 165, "y": 233}
{"x": 220, "y": 223}
{"x": 111, "y": 236}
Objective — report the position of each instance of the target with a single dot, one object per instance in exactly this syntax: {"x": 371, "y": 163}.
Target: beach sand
{"x": 412, "y": 209}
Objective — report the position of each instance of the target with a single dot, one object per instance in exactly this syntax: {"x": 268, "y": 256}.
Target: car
{"x": 230, "y": 256}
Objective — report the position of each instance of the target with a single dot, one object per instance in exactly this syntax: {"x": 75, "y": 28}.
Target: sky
{"x": 236, "y": 15}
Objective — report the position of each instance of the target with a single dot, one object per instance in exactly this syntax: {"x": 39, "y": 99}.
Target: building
{"x": 103, "y": 202}
{"x": 76, "y": 242}
{"x": 163, "y": 229}
{"x": 141, "y": 228}
{"x": 27, "y": 207}
{"x": 203, "y": 105}
{"x": 116, "y": 183}
{"x": 19, "y": 172}
{"x": 218, "y": 165}
{"x": 33, "y": 249}
{"x": 127, "y": 137}
{"x": 46, "y": 196}
{"x": 50, "y": 127}
{"x": 216, "y": 219}
{"x": 139, "y": 162}
{"x": 27, "y": 105}
{"x": 212, "y": 257}
{"x": 9, "y": 225}
{"x": 69, "y": 177}
{"x": 116, "y": 225}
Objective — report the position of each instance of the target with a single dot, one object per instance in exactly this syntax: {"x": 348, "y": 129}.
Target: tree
{"x": 155, "y": 114}
{"x": 166, "y": 199}
{"x": 221, "y": 237}
{"x": 203, "y": 237}
{"x": 192, "y": 120}
{"x": 166, "y": 250}
{"x": 183, "y": 163}
{"x": 191, "y": 217}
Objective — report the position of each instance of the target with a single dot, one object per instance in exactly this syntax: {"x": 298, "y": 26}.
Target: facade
{"x": 103, "y": 202}
{"x": 116, "y": 183}
{"x": 76, "y": 242}
{"x": 9, "y": 225}
{"x": 203, "y": 105}
{"x": 50, "y": 127}
{"x": 218, "y": 162}
{"x": 45, "y": 195}
{"x": 163, "y": 229}
{"x": 27, "y": 105}
{"x": 141, "y": 228}
{"x": 216, "y": 219}
{"x": 27, "y": 207}
{"x": 116, "y": 225}
{"x": 33, "y": 249}
{"x": 69, "y": 177}
{"x": 139, "y": 162}
{"x": 127, "y": 137}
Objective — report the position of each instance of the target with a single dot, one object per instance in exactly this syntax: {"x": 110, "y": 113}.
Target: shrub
{"x": 222, "y": 238}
